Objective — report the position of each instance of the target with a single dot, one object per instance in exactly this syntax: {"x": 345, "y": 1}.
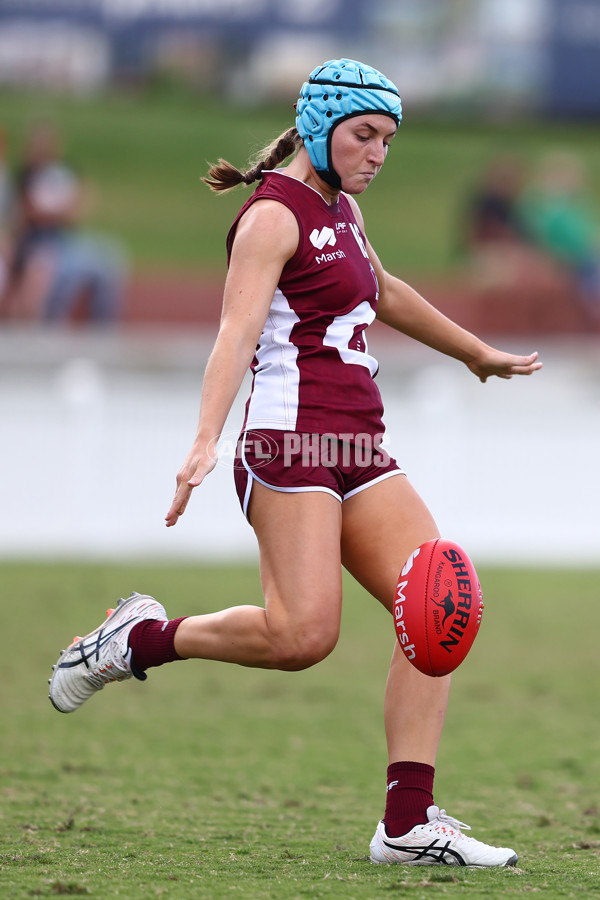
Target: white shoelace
{"x": 444, "y": 819}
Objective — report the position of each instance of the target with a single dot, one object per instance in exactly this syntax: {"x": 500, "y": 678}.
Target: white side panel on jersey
{"x": 341, "y": 331}
{"x": 356, "y": 232}
{"x": 274, "y": 401}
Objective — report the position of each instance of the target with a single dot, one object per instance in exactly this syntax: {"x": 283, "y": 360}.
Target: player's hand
{"x": 503, "y": 365}
{"x": 198, "y": 464}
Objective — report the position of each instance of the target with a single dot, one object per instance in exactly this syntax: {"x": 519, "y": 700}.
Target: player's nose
{"x": 377, "y": 153}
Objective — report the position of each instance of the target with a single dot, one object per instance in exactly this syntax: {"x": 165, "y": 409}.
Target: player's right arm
{"x": 266, "y": 238}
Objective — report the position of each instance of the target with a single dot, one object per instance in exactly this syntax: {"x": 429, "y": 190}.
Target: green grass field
{"x": 210, "y": 781}
{"x": 145, "y": 156}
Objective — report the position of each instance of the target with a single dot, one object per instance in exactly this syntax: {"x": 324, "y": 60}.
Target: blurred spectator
{"x": 495, "y": 241}
{"x": 492, "y": 215}
{"x": 5, "y": 208}
{"x": 54, "y": 266}
{"x": 557, "y": 219}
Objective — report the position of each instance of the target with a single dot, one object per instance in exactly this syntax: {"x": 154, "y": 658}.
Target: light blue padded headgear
{"x": 338, "y": 90}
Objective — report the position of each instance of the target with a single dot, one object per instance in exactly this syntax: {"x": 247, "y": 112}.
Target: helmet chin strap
{"x": 330, "y": 177}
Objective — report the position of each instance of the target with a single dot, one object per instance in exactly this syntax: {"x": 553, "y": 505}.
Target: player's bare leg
{"x": 300, "y": 567}
{"x": 382, "y": 526}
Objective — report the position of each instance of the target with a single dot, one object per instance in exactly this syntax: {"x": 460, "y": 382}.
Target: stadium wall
{"x": 95, "y": 428}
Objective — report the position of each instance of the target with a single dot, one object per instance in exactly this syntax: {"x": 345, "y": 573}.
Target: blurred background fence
{"x": 112, "y": 255}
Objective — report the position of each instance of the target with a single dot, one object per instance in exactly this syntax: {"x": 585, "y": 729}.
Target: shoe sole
{"x": 511, "y": 861}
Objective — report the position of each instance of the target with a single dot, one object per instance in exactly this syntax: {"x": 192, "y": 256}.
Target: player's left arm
{"x": 405, "y": 310}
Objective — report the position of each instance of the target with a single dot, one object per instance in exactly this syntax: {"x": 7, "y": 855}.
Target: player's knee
{"x": 305, "y": 650}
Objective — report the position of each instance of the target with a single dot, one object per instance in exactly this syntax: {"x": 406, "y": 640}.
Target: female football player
{"x": 313, "y": 480}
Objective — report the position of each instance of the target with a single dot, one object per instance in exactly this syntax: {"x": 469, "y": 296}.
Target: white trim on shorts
{"x": 280, "y": 490}
{"x": 373, "y": 481}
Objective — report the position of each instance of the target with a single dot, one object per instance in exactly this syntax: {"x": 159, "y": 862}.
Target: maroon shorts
{"x": 290, "y": 462}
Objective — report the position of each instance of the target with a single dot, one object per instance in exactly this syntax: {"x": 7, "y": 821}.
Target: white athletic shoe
{"x": 439, "y": 842}
{"x": 102, "y": 656}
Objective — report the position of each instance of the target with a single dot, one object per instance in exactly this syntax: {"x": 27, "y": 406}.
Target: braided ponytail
{"x": 224, "y": 176}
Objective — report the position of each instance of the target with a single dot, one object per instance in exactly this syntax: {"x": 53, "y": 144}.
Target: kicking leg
{"x": 299, "y": 539}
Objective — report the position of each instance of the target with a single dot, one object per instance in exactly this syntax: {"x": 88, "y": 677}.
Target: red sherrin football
{"x": 438, "y": 607}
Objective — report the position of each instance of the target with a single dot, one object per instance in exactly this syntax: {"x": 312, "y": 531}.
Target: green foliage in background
{"x": 145, "y": 156}
{"x": 210, "y": 781}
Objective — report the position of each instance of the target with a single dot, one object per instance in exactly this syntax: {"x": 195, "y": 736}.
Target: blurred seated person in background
{"x": 492, "y": 208}
{"x": 54, "y": 269}
{"x": 5, "y": 210}
{"x": 559, "y": 221}
{"x": 496, "y": 244}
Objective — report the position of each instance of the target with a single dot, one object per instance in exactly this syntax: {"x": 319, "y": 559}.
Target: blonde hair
{"x": 224, "y": 176}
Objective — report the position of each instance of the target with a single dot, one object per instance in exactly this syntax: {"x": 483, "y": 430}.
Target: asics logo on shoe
{"x": 91, "y": 649}
{"x": 435, "y": 852}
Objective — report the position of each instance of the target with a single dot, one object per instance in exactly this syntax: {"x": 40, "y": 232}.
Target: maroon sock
{"x": 409, "y": 794}
{"x": 152, "y": 643}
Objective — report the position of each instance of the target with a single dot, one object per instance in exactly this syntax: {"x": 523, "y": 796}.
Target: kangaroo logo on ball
{"x": 447, "y": 605}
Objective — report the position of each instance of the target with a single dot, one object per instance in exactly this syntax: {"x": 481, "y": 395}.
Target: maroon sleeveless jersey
{"x": 312, "y": 372}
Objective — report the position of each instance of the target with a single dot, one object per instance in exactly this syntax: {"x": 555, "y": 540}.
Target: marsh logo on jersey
{"x": 325, "y": 236}
{"x": 319, "y": 239}
{"x": 330, "y": 257}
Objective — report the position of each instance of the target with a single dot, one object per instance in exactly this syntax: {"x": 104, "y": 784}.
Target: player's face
{"x": 358, "y": 147}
